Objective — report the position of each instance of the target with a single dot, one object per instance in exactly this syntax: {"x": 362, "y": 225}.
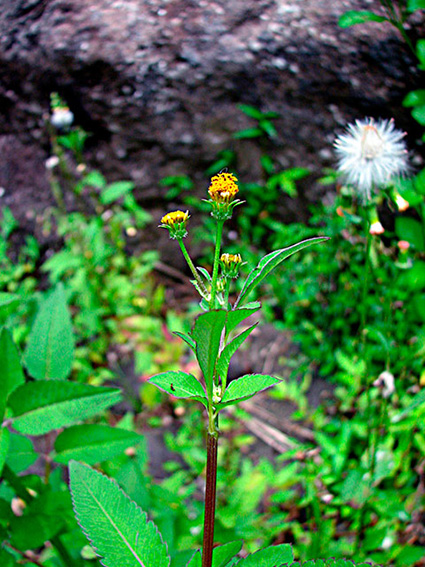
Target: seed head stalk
{"x": 219, "y": 233}
{"x": 192, "y": 267}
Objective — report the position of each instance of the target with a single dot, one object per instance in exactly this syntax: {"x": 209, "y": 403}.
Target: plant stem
{"x": 192, "y": 267}
{"x": 210, "y": 497}
{"x": 219, "y": 233}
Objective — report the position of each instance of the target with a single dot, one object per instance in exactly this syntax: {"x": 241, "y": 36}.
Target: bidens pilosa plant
{"x": 116, "y": 527}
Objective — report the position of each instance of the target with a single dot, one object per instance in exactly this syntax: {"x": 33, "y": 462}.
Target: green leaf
{"x": 418, "y": 114}
{"x": 207, "y": 335}
{"x": 273, "y": 556}
{"x": 180, "y": 385}
{"x": 50, "y": 350}
{"x": 413, "y": 5}
{"x": 93, "y": 443}
{"x": 187, "y": 339}
{"x": 9, "y": 302}
{"x": 410, "y": 229}
{"x": 354, "y": 17}
{"x": 415, "y": 98}
{"x": 6, "y": 559}
{"x": 4, "y": 446}
{"x": 236, "y": 316}
{"x": 413, "y": 278}
{"x": 420, "y": 52}
{"x": 224, "y": 553}
{"x": 417, "y": 401}
{"x": 196, "y": 560}
{"x": 11, "y": 375}
{"x": 248, "y": 133}
{"x": 245, "y": 387}
{"x": 21, "y": 453}
{"x": 116, "y": 527}
{"x": 40, "y": 407}
{"x": 229, "y": 350}
{"x": 269, "y": 262}
{"x": 94, "y": 179}
{"x": 115, "y": 191}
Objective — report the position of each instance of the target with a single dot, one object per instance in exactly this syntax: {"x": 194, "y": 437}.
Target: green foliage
{"x": 180, "y": 385}
{"x": 274, "y": 556}
{"x": 116, "y": 527}
{"x": 11, "y": 370}
{"x": 354, "y": 17}
{"x": 245, "y": 387}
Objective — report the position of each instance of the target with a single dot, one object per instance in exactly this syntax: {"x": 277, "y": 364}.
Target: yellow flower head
{"x": 176, "y": 223}
{"x": 223, "y": 188}
{"x": 230, "y": 264}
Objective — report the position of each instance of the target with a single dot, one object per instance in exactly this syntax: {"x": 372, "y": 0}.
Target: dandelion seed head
{"x": 370, "y": 153}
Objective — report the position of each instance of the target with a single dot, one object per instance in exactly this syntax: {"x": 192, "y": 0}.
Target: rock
{"x": 157, "y": 83}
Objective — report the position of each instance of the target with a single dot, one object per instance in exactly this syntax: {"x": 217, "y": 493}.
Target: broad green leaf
{"x": 11, "y": 374}
{"x": 410, "y": 229}
{"x": 196, "y": 560}
{"x": 413, "y": 278}
{"x": 50, "y": 350}
{"x": 415, "y": 98}
{"x": 229, "y": 350}
{"x": 116, "y": 527}
{"x": 115, "y": 191}
{"x": 236, "y": 316}
{"x": 245, "y": 387}
{"x": 4, "y": 446}
{"x": 207, "y": 333}
{"x": 273, "y": 556}
{"x": 187, "y": 339}
{"x": 8, "y": 304}
{"x": 413, "y": 5}
{"x": 21, "y": 453}
{"x": 224, "y": 553}
{"x": 180, "y": 385}
{"x": 269, "y": 262}
{"x": 354, "y": 17}
{"x": 93, "y": 443}
{"x": 418, "y": 114}
{"x": 40, "y": 407}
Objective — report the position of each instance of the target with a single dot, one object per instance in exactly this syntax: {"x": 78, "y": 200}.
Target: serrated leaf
{"x": 180, "y": 385}
{"x": 236, "y": 316}
{"x": 4, "y": 446}
{"x": 273, "y": 556}
{"x": 245, "y": 387}
{"x": 21, "y": 453}
{"x": 269, "y": 262}
{"x": 115, "y": 191}
{"x": 229, "y": 350}
{"x": 207, "y": 335}
{"x": 93, "y": 443}
{"x": 354, "y": 17}
{"x": 116, "y": 527}
{"x": 11, "y": 374}
{"x": 40, "y": 407}
{"x": 224, "y": 553}
{"x": 187, "y": 339}
{"x": 196, "y": 560}
{"x": 50, "y": 350}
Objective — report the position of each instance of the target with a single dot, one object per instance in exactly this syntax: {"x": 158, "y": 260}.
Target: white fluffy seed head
{"x": 371, "y": 153}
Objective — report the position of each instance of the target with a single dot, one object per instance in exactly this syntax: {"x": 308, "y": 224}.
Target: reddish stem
{"x": 210, "y": 494}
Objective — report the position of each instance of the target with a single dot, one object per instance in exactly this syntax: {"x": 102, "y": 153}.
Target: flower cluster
{"x": 222, "y": 192}
{"x": 176, "y": 223}
{"x": 370, "y": 153}
{"x": 230, "y": 264}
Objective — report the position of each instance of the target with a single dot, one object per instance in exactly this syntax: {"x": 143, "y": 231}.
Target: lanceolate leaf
{"x": 11, "y": 375}
{"x": 180, "y": 385}
{"x": 40, "y": 407}
{"x": 269, "y": 262}
{"x": 245, "y": 387}
{"x": 93, "y": 443}
{"x": 207, "y": 335}
{"x": 50, "y": 349}
{"x": 116, "y": 527}
{"x": 236, "y": 316}
{"x": 229, "y": 350}
{"x": 354, "y": 17}
{"x": 4, "y": 446}
{"x": 273, "y": 556}
{"x": 187, "y": 339}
